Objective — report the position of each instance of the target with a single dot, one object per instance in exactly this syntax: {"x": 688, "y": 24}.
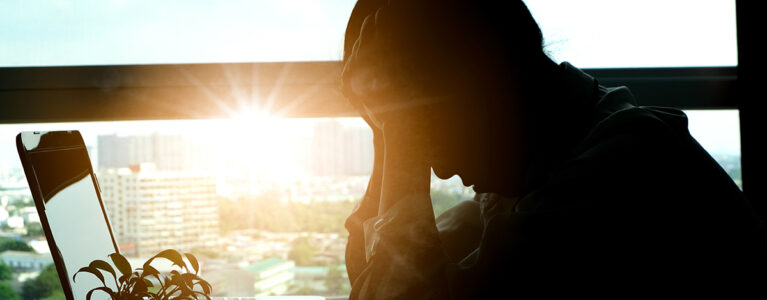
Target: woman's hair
{"x": 443, "y": 44}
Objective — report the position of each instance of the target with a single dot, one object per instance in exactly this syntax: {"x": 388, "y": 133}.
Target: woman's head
{"x": 478, "y": 55}
{"x": 440, "y": 43}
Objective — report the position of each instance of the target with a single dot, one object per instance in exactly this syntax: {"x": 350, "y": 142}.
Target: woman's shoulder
{"x": 630, "y": 151}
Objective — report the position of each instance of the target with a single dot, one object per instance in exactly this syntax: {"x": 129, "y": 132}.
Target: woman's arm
{"x": 402, "y": 249}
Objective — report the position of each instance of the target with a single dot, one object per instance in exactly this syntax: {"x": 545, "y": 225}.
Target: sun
{"x": 264, "y": 145}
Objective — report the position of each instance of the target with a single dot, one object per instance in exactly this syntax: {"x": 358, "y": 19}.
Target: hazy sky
{"x": 95, "y": 32}
{"x": 588, "y": 33}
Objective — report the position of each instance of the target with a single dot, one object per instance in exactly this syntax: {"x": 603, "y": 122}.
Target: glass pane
{"x": 718, "y": 131}
{"x": 590, "y": 34}
{"x": 248, "y": 199}
{"x": 627, "y": 33}
{"x": 97, "y": 32}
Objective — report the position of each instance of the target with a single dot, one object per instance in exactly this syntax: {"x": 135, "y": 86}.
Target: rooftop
{"x": 265, "y": 264}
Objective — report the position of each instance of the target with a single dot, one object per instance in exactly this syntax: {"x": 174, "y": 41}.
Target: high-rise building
{"x": 341, "y": 150}
{"x": 153, "y": 210}
{"x": 167, "y": 152}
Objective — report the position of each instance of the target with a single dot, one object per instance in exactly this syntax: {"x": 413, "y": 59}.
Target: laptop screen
{"x": 72, "y": 208}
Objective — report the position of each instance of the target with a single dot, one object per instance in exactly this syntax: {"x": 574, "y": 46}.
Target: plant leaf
{"x": 124, "y": 278}
{"x": 185, "y": 293}
{"x": 172, "y": 255}
{"x": 93, "y": 271}
{"x": 149, "y": 270}
{"x": 121, "y": 263}
{"x": 103, "y": 289}
{"x": 148, "y": 282}
{"x": 206, "y": 287}
{"x": 201, "y": 293}
{"x": 148, "y": 295}
{"x": 193, "y": 261}
{"x": 175, "y": 274}
{"x": 102, "y": 265}
{"x": 139, "y": 286}
{"x": 189, "y": 279}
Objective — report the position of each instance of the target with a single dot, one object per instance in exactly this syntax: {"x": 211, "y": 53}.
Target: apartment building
{"x": 153, "y": 210}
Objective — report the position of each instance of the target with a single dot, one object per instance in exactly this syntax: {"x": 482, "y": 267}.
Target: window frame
{"x": 296, "y": 89}
{"x": 312, "y": 89}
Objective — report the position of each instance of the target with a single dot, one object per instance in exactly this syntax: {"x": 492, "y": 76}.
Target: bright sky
{"x": 634, "y": 33}
{"x": 97, "y": 32}
{"x": 718, "y": 131}
{"x": 588, "y": 33}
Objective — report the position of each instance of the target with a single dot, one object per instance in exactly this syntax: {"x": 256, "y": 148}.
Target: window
{"x": 92, "y": 32}
{"x": 718, "y": 131}
{"x": 630, "y": 34}
{"x": 211, "y": 70}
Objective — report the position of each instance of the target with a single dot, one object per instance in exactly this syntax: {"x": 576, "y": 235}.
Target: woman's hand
{"x": 396, "y": 118}
{"x": 399, "y": 122}
{"x": 401, "y": 139}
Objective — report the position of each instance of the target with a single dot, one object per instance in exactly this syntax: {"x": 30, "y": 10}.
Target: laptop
{"x": 68, "y": 200}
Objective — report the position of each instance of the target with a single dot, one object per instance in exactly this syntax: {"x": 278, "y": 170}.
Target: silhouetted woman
{"x": 577, "y": 186}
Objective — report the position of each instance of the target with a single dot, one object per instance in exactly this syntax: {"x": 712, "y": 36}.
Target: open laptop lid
{"x": 68, "y": 201}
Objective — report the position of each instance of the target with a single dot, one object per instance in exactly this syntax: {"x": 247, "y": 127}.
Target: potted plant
{"x": 147, "y": 282}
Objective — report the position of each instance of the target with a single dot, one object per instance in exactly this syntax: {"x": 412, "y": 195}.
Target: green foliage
{"x": 267, "y": 213}
{"x": 13, "y": 244}
{"x": 7, "y": 293}
{"x": 306, "y": 290}
{"x": 5, "y": 271}
{"x": 34, "y": 230}
{"x": 56, "y": 295}
{"x": 137, "y": 284}
{"x": 302, "y": 252}
{"x": 335, "y": 282}
{"x": 44, "y": 285}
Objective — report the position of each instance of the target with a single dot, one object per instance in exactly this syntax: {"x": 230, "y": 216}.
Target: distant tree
{"x": 302, "y": 252}
{"x": 443, "y": 200}
{"x": 56, "y": 295}
{"x": 34, "y": 230}
{"x": 265, "y": 212}
{"x": 336, "y": 283}
{"x": 304, "y": 290}
{"x": 13, "y": 244}
{"x": 6, "y": 273}
{"x": 44, "y": 285}
{"x": 7, "y": 293}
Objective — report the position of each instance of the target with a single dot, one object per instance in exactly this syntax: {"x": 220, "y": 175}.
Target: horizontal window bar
{"x": 288, "y": 89}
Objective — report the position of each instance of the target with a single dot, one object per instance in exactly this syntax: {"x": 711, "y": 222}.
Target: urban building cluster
{"x": 163, "y": 191}
{"x": 166, "y": 191}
